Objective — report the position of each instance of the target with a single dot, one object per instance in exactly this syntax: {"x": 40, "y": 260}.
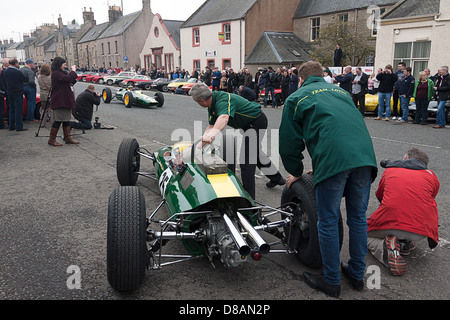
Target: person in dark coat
{"x": 84, "y": 108}
{"x": 338, "y": 56}
{"x": 15, "y": 89}
{"x": 62, "y": 100}
{"x": 345, "y": 80}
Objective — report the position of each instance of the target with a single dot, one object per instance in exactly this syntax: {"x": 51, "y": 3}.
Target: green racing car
{"x": 131, "y": 97}
{"x": 208, "y": 211}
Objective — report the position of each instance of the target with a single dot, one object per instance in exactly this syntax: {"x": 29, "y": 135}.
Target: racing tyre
{"x": 301, "y": 233}
{"x": 127, "y": 253}
{"x": 128, "y": 99}
{"x": 107, "y": 95}
{"x": 128, "y": 162}
{"x": 160, "y": 98}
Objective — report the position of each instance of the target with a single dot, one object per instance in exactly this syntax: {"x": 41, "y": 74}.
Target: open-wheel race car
{"x": 208, "y": 210}
{"x": 131, "y": 97}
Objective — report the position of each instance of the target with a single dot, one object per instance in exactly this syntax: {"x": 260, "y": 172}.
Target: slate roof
{"x": 279, "y": 48}
{"x": 413, "y": 8}
{"x": 214, "y": 11}
{"x": 115, "y": 29}
{"x": 94, "y": 33}
{"x": 308, "y": 8}
{"x": 173, "y": 26}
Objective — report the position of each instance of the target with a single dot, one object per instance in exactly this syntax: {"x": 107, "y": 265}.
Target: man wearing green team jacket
{"x": 322, "y": 117}
{"x": 239, "y": 113}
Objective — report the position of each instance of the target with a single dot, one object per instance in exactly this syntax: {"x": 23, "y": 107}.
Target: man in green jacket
{"x": 323, "y": 118}
{"x": 239, "y": 113}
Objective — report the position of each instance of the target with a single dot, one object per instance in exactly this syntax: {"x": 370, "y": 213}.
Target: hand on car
{"x": 291, "y": 179}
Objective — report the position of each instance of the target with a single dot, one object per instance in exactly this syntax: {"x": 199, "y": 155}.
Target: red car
{"x": 98, "y": 79}
{"x": 187, "y": 87}
{"x": 278, "y": 96}
{"x": 89, "y": 77}
{"x": 132, "y": 81}
{"x": 37, "y": 110}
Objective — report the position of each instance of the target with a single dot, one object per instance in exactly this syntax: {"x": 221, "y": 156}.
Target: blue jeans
{"x": 15, "y": 112}
{"x": 404, "y": 104}
{"x": 440, "y": 115}
{"x": 30, "y": 94}
{"x": 272, "y": 92}
{"x": 384, "y": 101}
{"x": 355, "y": 185}
{"x": 84, "y": 124}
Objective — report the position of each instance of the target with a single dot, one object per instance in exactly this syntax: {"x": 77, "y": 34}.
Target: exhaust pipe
{"x": 243, "y": 247}
{"x": 262, "y": 245}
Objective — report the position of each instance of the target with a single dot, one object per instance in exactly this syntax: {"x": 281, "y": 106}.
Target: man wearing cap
{"x": 30, "y": 88}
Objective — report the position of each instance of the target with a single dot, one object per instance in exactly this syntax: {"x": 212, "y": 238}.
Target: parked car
{"x": 100, "y": 79}
{"x": 372, "y": 103}
{"x": 116, "y": 79}
{"x": 188, "y": 86}
{"x": 161, "y": 84}
{"x": 432, "y": 109}
{"x": 89, "y": 77}
{"x": 179, "y": 83}
{"x": 37, "y": 110}
{"x": 278, "y": 96}
{"x": 132, "y": 81}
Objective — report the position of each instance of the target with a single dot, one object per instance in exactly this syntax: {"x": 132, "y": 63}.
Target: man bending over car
{"x": 239, "y": 113}
{"x": 84, "y": 108}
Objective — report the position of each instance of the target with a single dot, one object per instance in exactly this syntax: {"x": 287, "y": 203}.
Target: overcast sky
{"x": 22, "y": 16}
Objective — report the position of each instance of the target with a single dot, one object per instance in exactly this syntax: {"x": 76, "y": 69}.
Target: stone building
{"x": 413, "y": 32}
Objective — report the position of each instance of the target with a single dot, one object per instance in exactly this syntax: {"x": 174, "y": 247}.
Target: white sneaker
{"x": 394, "y": 118}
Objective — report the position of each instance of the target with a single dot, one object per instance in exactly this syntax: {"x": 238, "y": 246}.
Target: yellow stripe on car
{"x": 223, "y": 186}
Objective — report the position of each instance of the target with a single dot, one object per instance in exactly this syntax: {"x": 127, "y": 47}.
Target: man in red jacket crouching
{"x": 408, "y": 210}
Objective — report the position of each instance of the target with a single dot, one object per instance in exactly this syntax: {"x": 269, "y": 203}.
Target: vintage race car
{"x": 37, "y": 110}
{"x": 208, "y": 210}
{"x": 134, "y": 80}
{"x": 116, "y": 79}
{"x": 179, "y": 83}
{"x": 133, "y": 97}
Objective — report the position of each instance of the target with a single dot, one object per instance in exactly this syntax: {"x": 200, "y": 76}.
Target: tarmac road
{"x": 54, "y": 202}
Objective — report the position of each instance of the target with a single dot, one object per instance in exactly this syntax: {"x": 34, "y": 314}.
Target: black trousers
{"x": 360, "y": 102}
{"x": 252, "y": 156}
{"x": 395, "y": 111}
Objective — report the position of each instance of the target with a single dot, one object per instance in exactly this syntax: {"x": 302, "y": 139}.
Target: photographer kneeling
{"x": 84, "y": 108}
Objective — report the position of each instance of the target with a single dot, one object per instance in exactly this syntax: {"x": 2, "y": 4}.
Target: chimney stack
{"x": 114, "y": 13}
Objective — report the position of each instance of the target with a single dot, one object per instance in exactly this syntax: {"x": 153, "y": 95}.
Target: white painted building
{"x": 415, "y": 32}
{"x": 162, "y": 46}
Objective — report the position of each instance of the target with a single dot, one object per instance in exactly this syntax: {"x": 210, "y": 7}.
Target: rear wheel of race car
{"x": 128, "y": 99}
{"x": 128, "y": 162}
{"x": 160, "y": 98}
{"x": 301, "y": 233}
{"x": 107, "y": 95}
{"x": 127, "y": 253}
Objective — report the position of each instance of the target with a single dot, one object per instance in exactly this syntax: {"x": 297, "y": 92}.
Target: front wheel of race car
{"x": 128, "y": 99}
{"x": 160, "y": 98}
{"x": 107, "y": 95}
{"x": 127, "y": 253}
{"x": 128, "y": 162}
{"x": 301, "y": 234}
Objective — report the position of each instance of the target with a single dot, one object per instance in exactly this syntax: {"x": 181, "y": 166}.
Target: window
{"x": 226, "y": 63}
{"x": 156, "y": 32}
{"x": 197, "y": 65}
{"x": 109, "y": 48}
{"x": 414, "y": 54}
{"x": 117, "y": 47}
{"x": 195, "y": 37}
{"x": 103, "y": 49}
{"x": 376, "y": 20}
{"x": 211, "y": 63}
{"x": 315, "y": 27}
{"x": 343, "y": 17}
{"x": 169, "y": 61}
{"x": 226, "y": 29}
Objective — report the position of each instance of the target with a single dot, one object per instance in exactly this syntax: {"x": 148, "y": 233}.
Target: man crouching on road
{"x": 233, "y": 110}
{"x": 84, "y": 108}
{"x": 323, "y": 117}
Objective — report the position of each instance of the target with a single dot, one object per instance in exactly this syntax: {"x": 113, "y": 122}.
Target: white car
{"x": 432, "y": 110}
{"x": 116, "y": 79}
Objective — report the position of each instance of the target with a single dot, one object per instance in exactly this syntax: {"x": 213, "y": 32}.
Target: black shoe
{"x": 358, "y": 285}
{"x": 23, "y": 129}
{"x": 317, "y": 281}
{"x": 272, "y": 184}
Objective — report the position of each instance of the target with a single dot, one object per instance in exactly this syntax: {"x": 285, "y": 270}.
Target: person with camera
{"x": 62, "y": 100}
{"x": 84, "y": 108}
{"x": 408, "y": 211}
{"x": 387, "y": 81}
{"x": 322, "y": 118}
